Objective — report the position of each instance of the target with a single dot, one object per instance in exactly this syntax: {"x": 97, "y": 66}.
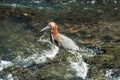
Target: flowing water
{"x": 37, "y": 55}
{"x": 21, "y": 54}
{"x": 78, "y": 66}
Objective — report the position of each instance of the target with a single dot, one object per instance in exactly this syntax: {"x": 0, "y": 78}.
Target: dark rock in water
{"x": 112, "y": 74}
{"x": 116, "y": 73}
{"x": 96, "y": 50}
{"x": 28, "y": 26}
{"x": 20, "y": 73}
{"x": 77, "y": 78}
{"x": 106, "y": 61}
{"x": 89, "y": 23}
{"x": 107, "y": 38}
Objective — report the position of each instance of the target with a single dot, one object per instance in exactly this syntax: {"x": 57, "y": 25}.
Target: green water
{"x": 19, "y": 29}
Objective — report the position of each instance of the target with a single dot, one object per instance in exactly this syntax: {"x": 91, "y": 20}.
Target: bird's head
{"x": 50, "y": 25}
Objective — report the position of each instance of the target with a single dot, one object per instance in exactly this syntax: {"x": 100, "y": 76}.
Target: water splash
{"x": 5, "y": 64}
{"x": 113, "y": 74}
{"x": 9, "y": 77}
{"x": 108, "y": 74}
{"x": 87, "y": 52}
{"x": 38, "y": 58}
{"x": 79, "y": 66}
{"x": 1, "y": 79}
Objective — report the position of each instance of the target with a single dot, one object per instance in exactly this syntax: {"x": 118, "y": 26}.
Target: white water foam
{"x": 79, "y": 66}
{"x": 5, "y": 64}
{"x": 111, "y": 75}
{"x": 9, "y": 77}
{"x": 37, "y": 57}
{"x": 87, "y": 52}
{"x": 108, "y": 73}
{"x": 93, "y": 2}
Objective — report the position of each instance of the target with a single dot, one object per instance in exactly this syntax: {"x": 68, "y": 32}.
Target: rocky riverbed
{"x": 98, "y": 30}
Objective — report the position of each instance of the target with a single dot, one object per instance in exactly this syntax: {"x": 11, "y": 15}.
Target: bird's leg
{"x": 77, "y": 56}
{"x": 60, "y": 57}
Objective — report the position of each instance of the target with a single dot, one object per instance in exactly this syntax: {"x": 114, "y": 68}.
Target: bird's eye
{"x": 51, "y": 26}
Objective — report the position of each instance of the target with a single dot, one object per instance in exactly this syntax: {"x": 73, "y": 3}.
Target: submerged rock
{"x": 109, "y": 60}
{"x": 87, "y": 26}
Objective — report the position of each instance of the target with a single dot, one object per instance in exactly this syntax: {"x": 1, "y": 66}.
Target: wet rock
{"x": 89, "y": 26}
{"x": 96, "y": 50}
{"x": 109, "y": 60}
{"x": 20, "y": 73}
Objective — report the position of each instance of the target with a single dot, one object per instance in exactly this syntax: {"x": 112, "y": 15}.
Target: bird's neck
{"x": 55, "y": 32}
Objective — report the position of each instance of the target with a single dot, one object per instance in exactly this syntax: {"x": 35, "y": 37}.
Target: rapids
{"x": 92, "y": 24}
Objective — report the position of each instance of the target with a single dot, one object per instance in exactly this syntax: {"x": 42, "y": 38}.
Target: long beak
{"x": 47, "y": 27}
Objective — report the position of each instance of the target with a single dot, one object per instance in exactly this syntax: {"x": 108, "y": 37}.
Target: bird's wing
{"x": 53, "y": 40}
{"x": 67, "y": 43}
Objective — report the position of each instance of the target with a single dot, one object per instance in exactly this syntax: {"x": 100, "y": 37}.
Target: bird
{"x": 67, "y": 43}
{"x": 59, "y": 39}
